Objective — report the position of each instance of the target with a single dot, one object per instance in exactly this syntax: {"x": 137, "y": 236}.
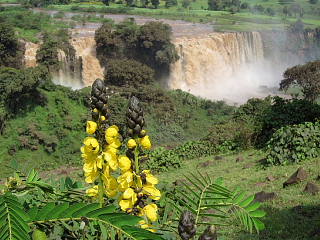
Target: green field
{"x": 221, "y": 20}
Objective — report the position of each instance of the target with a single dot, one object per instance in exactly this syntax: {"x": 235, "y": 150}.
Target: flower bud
{"x": 186, "y": 227}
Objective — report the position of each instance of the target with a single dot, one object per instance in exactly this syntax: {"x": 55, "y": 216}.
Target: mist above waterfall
{"x": 225, "y": 66}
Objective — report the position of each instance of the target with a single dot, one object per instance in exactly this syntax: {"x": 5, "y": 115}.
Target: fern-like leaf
{"x": 13, "y": 219}
{"x": 202, "y": 195}
{"x": 121, "y": 222}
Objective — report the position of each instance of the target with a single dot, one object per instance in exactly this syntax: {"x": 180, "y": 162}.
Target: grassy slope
{"x": 61, "y": 119}
{"x": 283, "y": 221}
{"x": 223, "y": 21}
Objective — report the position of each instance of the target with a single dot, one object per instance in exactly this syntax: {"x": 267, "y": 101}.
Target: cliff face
{"x": 219, "y": 66}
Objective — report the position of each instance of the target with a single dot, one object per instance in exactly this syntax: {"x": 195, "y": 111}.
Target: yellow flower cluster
{"x": 118, "y": 174}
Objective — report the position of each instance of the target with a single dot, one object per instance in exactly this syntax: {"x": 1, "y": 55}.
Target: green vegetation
{"x": 305, "y": 76}
{"x": 11, "y": 51}
{"x": 294, "y": 143}
{"x": 257, "y": 15}
{"x": 149, "y": 44}
{"x": 28, "y": 24}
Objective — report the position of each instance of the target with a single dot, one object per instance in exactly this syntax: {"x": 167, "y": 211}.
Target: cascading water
{"x": 86, "y": 51}
{"x": 69, "y": 73}
{"x": 221, "y": 66}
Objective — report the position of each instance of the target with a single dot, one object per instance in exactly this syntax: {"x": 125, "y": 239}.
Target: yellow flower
{"x": 150, "y": 179}
{"x": 91, "y": 127}
{"x": 129, "y": 198}
{"x": 145, "y": 142}
{"x": 125, "y": 181}
{"x": 112, "y": 136}
{"x": 151, "y": 212}
{"x": 152, "y": 192}
{"x": 146, "y": 226}
{"x": 102, "y": 118}
{"x": 95, "y": 110}
{"x": 112, "y": 131}
{"x": 111, "y": 159}
{"x": 132, "y": 143}
{"x": 91, "y": 145}
{"x": 91, "y": 176}
{"x": 124, "y": 163}
{"x": 92, "y": 192}
{"x": 111, "y": 185}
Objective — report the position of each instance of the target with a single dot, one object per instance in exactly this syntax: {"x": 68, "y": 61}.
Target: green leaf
{"x": 257, "y": 213}
{"x": 121, "y": 222}
{"x": 13, "y": 219}
{"x": 247, "y": 201}
{"x": 39, "y": 235}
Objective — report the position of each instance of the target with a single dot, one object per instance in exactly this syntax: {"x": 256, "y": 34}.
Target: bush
{"x": 292, "y": 144}
{"x": 125, "y": 72}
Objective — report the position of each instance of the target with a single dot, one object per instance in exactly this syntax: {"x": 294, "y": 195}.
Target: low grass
{"x": 292, "y": 215}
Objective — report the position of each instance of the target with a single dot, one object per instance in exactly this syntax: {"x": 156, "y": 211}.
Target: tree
{"x": 11, "y": 50}
{"x": 306, "y": 76}
{"x": 106, "y": 2}
{"x": 47, "y": 54}
{"x": 125, "y": 73}
{"x": 186, "y": 3}
{"x": 19, "y": 87}
{"x": 155, "y": 3}
{"x": 313, "y": 1}
{"x": 215, "y": 5}
{"x": 171, "y": 3}
{"x": 270, "y": 12}
{"x": 154, "y": 47}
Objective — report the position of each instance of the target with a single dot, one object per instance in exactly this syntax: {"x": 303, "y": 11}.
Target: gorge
{"x": 231, "y": 66}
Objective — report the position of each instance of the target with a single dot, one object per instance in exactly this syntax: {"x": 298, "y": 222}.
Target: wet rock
{"x": 264, "y": 196}
{"x": 218, "y": 158}
{"x": 239, "y": 159}
{"x": 205, "y": 164}
{"x": 311, "y": 188}
{"x": 270, "y": 178}
{"x": 298, "y": 176}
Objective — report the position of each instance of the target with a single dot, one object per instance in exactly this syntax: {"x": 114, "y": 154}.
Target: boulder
{"x": 239, "y": 159}
{"x": 270, "y": 178}
{"x": 264, "y": 196}
{"x": 205, "y": 164}
{"x": 311, "y": 188}
{"x": 298, "y": 176}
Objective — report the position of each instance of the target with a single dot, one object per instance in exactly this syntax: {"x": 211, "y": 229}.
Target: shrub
{"x": 294, "y": 143}
{"x": 125, "y": 72}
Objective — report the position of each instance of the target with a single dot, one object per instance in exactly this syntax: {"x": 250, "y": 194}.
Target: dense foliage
{"x": 292, "y": 144}
{"x": 305, "y": 76}
{"x": 125, "y": 72}
{"x": 11, "y": 50}
{"x": 149, "y": 44}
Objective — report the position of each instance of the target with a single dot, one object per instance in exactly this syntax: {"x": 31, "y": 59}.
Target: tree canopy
{"x": 11, "y": 51}
{"x": 306, "y": 76}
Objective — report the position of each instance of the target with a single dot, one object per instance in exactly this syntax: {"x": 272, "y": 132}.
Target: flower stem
{"x": 136, "y": 159}
{"x": 101, "y": 190}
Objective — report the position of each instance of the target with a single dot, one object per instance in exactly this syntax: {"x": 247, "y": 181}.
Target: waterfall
{"x": 69, "y": 73}
{"x": 76, "y": 70}
{"x": 86, "y": 51}
{"x": 221, "y": 66}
